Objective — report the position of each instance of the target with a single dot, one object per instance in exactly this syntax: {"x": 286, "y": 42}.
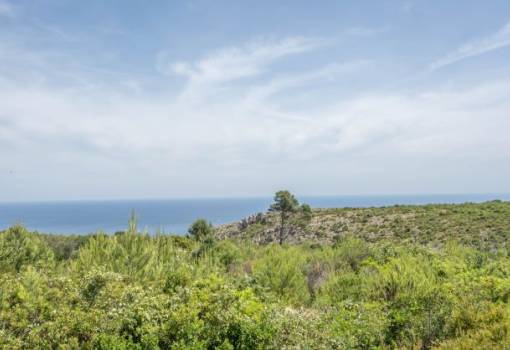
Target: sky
{"x": 107, "y": 99}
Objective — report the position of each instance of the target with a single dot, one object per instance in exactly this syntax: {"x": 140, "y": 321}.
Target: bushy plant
{"x": 20, "y": 249}
{"x": 201, "y": 230}
{"x": 281, "y": 271}
{"x": 136, "y": 291}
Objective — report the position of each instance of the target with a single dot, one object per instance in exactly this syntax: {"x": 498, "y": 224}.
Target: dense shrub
{"x": 200, "y": 230}
{"x": 19, "y": 249}
{"x": 64, "y": 247}
{"x": 281, "y": 272}
{"x": 135, "y": 291}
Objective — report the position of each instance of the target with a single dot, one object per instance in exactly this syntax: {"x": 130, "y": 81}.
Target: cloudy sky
{"x": 197, "y": 98}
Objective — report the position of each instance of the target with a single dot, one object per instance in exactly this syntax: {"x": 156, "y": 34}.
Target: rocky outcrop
{"x": 419, "y": 224}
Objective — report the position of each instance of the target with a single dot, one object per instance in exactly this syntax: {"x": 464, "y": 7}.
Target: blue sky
{"x": 132, "y": 99}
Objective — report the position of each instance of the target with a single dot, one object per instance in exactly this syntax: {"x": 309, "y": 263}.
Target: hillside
{"x": 484, "y": 225}
{"x": 392, "y": 279}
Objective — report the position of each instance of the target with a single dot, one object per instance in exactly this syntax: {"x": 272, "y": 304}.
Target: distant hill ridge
{"x": 485, "y": 225}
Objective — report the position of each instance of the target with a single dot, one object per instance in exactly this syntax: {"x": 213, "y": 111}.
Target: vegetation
{"x": 285, "y": 204}
{"x": 200, "y": 230}
{"x": 485, "y": 226}
{"x": 287, "y": 208}
{"x": 444, "y": 284}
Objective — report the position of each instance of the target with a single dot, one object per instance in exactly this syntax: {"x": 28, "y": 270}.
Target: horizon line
{"x": 206, "y": 198}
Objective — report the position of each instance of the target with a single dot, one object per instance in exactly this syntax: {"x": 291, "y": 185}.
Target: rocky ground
{"x": 484, "y": 224}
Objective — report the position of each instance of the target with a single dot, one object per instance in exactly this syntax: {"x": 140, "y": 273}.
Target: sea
{"x": 176, "y": 215}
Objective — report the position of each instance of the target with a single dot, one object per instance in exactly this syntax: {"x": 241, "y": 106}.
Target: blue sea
{"x": 176, "y": 215}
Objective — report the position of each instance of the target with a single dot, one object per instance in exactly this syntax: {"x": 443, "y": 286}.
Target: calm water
{"x": 176, "y": 215}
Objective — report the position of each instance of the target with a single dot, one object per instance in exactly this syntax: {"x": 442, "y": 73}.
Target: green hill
{"x": 484, "y": 225}
{"x": 402, "y": 277}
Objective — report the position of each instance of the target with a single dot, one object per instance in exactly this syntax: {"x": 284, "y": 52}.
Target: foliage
{"x": 306, "y": 210}
{"x": 285, "y": 204}
{"x": 135, "y": 291}
{"x": 485, "y": 226}
{"x": 281, "y": 272}
{"x": 64, "y": 247}
{"x": 201, "y": 230}
{"x": 19, "y": 249}
{"x": 287, "y": 207}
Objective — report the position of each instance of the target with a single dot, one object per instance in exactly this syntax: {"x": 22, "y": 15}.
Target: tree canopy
{"x": 285, "y": 204}
{"x": 200, "y": 230}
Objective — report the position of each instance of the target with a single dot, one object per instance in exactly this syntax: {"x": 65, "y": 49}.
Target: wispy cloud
{"x": 224, "y": 70}
{"x": 238, "y": 62}
{"x": 251, "y": 114}
{"x": 330, "y": 72}
{"x": 477, "y": 47}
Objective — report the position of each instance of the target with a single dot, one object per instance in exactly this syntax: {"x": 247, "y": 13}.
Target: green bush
{"x": 135, "y": 291}
{"x": 19, "y": 249}
{"x": 200, "y": 230}
{"x": 281, "y": 272}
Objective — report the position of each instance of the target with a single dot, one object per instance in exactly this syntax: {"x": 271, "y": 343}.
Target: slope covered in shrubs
{"x": 135, "y": 291}
{"x": 484, "y": 225}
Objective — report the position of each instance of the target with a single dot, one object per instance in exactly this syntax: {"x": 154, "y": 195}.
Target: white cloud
{"x": 238, "y": 62}
{"x": 165, "y": 129}
{"x": 477, "y": 47}
{"x": 75, "y": 133}
{"x": 332, "y": 72}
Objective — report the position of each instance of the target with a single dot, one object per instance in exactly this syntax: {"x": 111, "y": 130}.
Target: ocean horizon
{"x": 176, "y": 215}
